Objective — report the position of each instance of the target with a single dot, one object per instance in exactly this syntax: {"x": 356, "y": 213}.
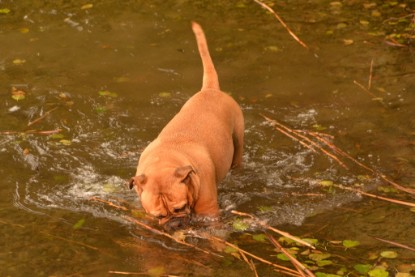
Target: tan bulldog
{"x": 178, "y": 172}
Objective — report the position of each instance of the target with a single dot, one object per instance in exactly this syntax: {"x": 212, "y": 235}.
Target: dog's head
{"x": 169, "y": 194}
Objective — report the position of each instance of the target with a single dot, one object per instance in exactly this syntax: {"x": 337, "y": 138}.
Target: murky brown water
{"x": 112, "y": 74}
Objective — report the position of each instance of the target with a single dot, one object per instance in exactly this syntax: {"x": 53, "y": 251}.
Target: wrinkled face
{"x": 167, "y": 194}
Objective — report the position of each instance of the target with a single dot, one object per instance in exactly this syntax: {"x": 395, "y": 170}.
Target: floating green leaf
{"x": 310, "y": 241}
{"x": 156, "y": 271}
{"x": 386, "y": 189}
{"x": 260, "y": 237}
{"x": 165, "y": 94}
{"x": 265, "y": 209}
{"x": 108, "y": 188}
{"x": 138, "y": 214}
{"x": 378, "y": 272}
{"x": 56, "y": 136}
{"x": 350, "y": 243}
{"x": 100, "y": 109}
{"x": 107, "y": 93}
{"x": 286, "y": 241}
{"x": 282, "y": 257}
{"x": 324, "y": 263}
{"x": 322, "y": 274}
{"x": 319, "y": 127}
{"x": 273, "y": 48}
{"x": 4, "y": 11}
{"x": 362, "y": 268}
{"x": 65, "y": 142}
{"x": 240, "y": 225}
{"x": 389, "y": 254}
{"x": 229, "y": 250}
{"x": 326, "y": 183}
{"x": 24, "y": 30}
{"x": 79, "y": 224}
{"x": 319, "y": 256}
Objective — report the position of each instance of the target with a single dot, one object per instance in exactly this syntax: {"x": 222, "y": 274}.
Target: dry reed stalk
{"x": 409, "y": 204}
{"x": 73, "y": 241}
{"x": 275, "y": 230}
{"x": 396, "y": 244}
{"x": 94, "y": 198}
{"x": 374, "y": 172}
{"x": 127, "y": 273}
{"x": 32, "y": 132}
{"x": 280, "y": 268}
{"x": 250, "y": 263}
{"x": 369, "y": 84}
{"x": 304, "y": 271}
{"x": 397, "y": 186}
{"x": 158, "y": 232}
{"x": 265, "y": 6}
{"x": 310, "y": 144}
{"x": 41, "y": 117}
{"x": 321, "y": 138}
{"x": 364, "y": 89}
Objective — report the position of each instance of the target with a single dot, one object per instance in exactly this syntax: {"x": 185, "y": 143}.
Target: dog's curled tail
{"x": 210, "y": 77}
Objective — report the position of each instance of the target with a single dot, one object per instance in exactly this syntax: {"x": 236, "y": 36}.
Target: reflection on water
{"x": 110, "y": 75}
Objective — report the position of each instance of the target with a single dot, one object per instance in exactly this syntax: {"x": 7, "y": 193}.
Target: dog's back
{"x": 210, "y": 118}
{"x": 206, "y": 135}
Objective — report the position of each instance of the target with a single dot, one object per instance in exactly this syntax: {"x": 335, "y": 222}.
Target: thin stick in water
{"x": 265, "y": 6}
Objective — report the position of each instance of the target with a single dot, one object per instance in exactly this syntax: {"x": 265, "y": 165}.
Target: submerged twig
{"x": 73, "y": 241}
{"x": 369, "y": 85}
{"x": 335, "y": 149}
{"x": 409, "y": 204}
{"x": 304, "y": 271}
{"x": 158, "y": 232}
{"x": 32, "y": 132}
{"x": 250, "y": 263}
{"x": 396, "y": 244}
{"x": 280, "y": 268}
{"x": 364, "y": 89}
{"x": 94, "y": 198}
{"x": 265, "y": 6}
{"x": 41, "y": 117}
{"x": 127, "y": 273}
{"x": 301, "y": 139}
{"x": 275, "y": 230}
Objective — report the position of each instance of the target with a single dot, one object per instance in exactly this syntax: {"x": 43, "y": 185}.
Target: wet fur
{"x": 178, "y": 172}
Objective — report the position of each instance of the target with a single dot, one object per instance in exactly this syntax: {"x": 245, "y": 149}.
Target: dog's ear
{"x": 183, "y": 173}
{"x": 188, "y": 176}
{"x": 137, "y": 181}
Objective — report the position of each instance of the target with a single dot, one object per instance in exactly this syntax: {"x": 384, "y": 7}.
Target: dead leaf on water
{"x": 87, "y": 6}
{"x": 107, "y": 93}
{"x": 348, "y": 41}
{"x": 18, "y": 94}
{"x": 165, "y": 94}
{"x": 389, "y": 254}
{"x": 24, "y": 30}
{"x": 273, "y": 48}
{"x": 19, "y": 61}
{"x": 65, "y": 142}
{"x": 179, "y": 235}
{"x": 364, "y": 22}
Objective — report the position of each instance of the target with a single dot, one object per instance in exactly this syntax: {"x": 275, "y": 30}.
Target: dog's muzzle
{"x": 174, "y": 223}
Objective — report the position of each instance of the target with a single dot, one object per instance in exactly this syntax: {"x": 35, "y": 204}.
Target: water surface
{"x": 110, "y": 75}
